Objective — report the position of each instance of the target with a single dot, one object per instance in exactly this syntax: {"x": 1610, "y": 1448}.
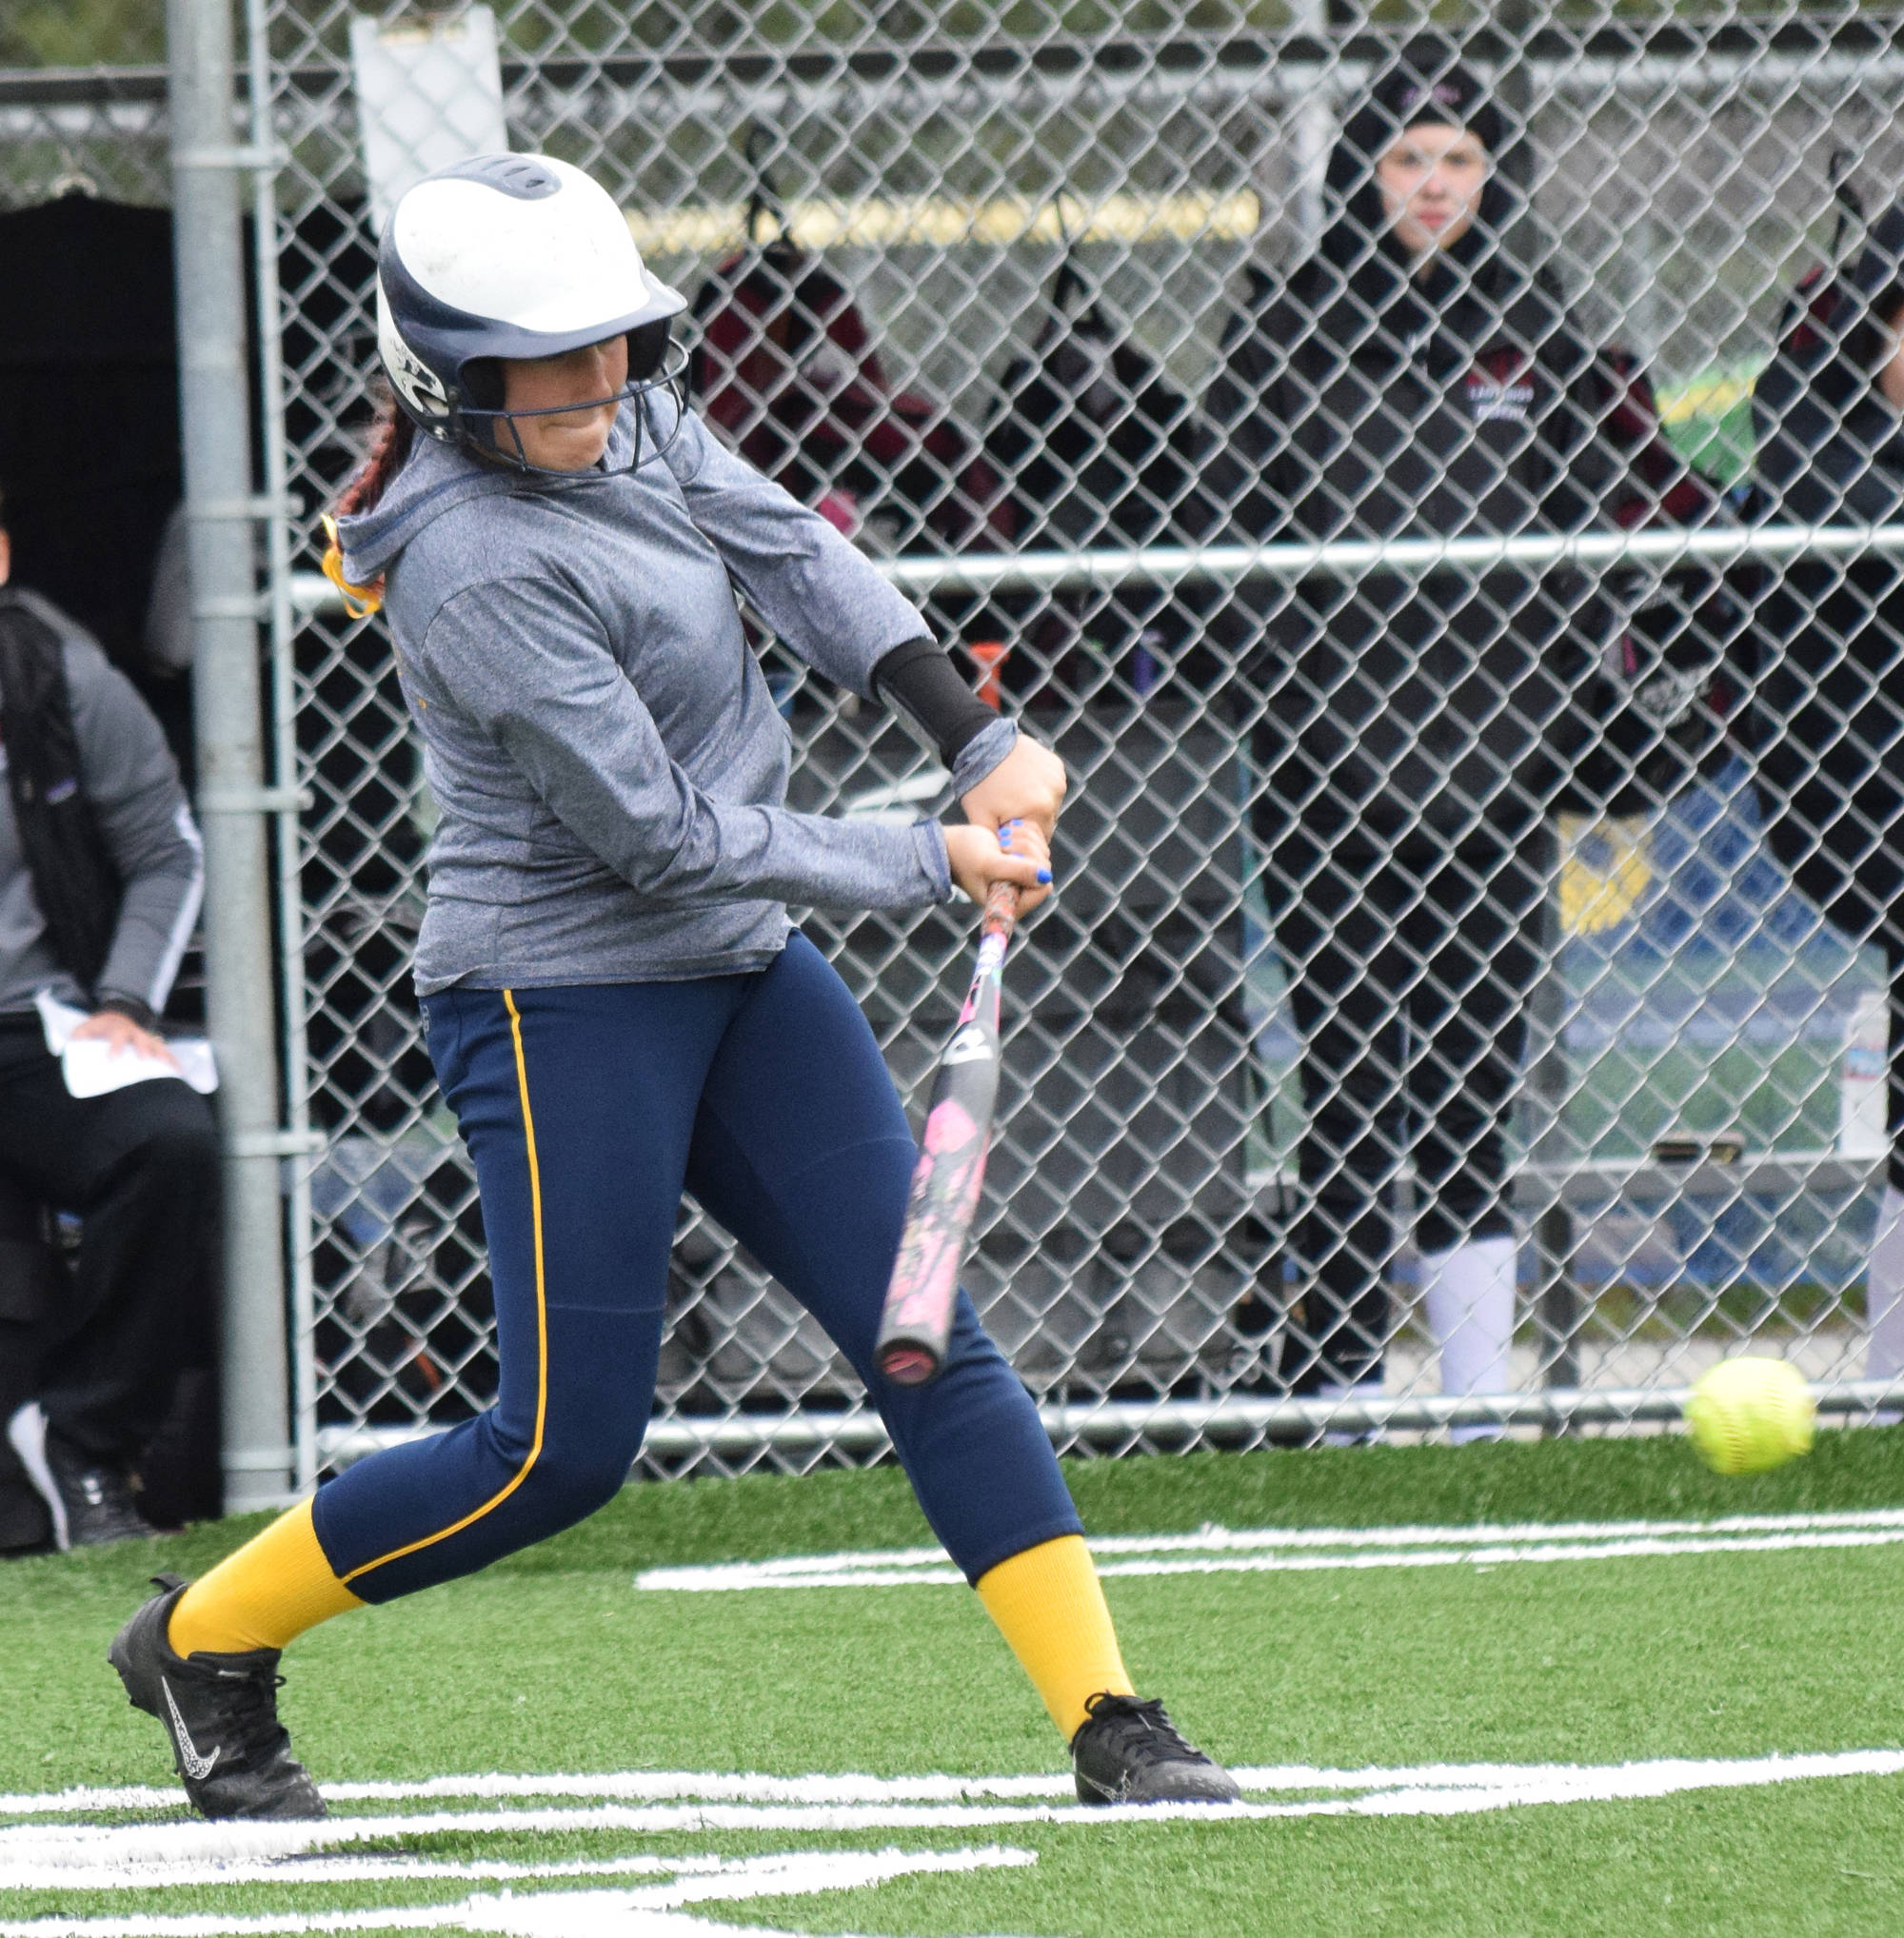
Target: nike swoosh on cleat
{"x": 196, "y": 1767}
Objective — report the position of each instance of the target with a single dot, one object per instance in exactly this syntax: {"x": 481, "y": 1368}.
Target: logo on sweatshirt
{"x": 1500, "y": 388}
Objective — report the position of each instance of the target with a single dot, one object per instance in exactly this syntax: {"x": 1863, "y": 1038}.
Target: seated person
{"x": 101, "y": 874}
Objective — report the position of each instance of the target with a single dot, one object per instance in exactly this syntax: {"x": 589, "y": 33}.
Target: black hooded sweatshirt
{"x": 1828, "y": 717}
{"x": 1361, "y": 402}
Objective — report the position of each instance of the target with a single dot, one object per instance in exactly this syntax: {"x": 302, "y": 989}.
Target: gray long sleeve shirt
{"x": 608, "y": 763}
{"x": 128, "y": 776}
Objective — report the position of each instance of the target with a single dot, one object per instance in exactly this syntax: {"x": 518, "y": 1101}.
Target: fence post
{"x": 213, "y": 398}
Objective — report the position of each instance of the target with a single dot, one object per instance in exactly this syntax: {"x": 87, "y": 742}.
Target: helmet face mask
{"x": 488, "y": 428}
{"x": 514, "y": 258}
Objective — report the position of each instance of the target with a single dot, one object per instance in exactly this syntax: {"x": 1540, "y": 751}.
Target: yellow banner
{"x": 1001, "y": 222}
{"x": 1605, "y": 867}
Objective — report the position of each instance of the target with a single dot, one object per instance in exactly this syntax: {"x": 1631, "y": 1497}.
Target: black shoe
{"x": 1129, "y": 1752}
{"x": 221, "y": 1712}
{"x": 90, "y": 1502}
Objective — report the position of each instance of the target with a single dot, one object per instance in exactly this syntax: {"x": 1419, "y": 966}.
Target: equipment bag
{"x": 1095, "y": 448}
{"x": 1671, "y": 687}
{"x": 785, "y": 369}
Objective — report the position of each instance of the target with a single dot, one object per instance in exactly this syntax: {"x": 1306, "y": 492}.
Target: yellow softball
{"x": 1750, "y": 1413}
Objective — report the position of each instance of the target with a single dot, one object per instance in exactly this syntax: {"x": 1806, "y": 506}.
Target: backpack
{"x": 1809, "y": 345}
{"x": 1808, "y": 321}
{"x": 1673, "y": 695}
{"x": 786, "y": 369}
{"x": 1812, "y": 314}
{"x": 1675, "y": 493}
{"x": 75, "y": 879}
{"x": 1095, "y": 448}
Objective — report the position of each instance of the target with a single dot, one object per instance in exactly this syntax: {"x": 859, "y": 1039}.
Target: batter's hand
{"x": 1018, "y": 852}
{"x": 1028, "y": 785}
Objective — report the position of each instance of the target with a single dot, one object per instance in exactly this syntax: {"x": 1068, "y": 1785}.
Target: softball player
{"x": 617, "y": 1005}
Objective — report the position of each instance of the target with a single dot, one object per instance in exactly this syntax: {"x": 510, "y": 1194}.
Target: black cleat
{"x": 1129, "y": 1752}
{"x": 90, "y": 1502}
{"x": 221, "y": 1712}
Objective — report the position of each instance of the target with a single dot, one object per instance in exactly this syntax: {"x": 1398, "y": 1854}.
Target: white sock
{"x": 1884, "y": 1290}
{"x": 1469, "y": 1296}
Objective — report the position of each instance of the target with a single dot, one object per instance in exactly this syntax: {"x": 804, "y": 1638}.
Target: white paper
{"x": 430, "y": 92}
{"x": 91, "y": 1068}
{"x": 1863, "y": 1078}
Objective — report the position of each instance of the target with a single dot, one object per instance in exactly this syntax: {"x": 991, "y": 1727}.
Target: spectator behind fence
{"x": 1828, "y": 717}
{"x": 1410, "y": 737}
{"x": 100, "y": 880}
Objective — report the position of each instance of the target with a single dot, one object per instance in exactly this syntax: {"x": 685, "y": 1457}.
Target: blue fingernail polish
{"x": 1043, "y": 875}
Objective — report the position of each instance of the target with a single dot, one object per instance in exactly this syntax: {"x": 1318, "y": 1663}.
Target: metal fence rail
{"x": 312, "y": 593}
{"x": 1694, "y": 1158}
{"x": 1182, "y": 1426}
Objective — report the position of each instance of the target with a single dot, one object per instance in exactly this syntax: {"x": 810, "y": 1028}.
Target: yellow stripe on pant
{"x": 522, "y": 1474}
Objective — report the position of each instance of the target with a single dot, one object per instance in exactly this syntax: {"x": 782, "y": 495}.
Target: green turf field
{"x": 1333, "y": 1671}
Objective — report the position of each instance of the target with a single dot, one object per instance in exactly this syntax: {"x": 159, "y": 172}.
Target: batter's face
{"x": 570, "y": 440}
{"x": 1431, "y": 177}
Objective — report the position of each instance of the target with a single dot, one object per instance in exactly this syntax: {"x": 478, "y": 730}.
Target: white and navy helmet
{"x": 510, "y": 256}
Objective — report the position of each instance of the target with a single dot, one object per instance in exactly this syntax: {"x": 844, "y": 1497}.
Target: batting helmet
{"x": 510, "y": 256}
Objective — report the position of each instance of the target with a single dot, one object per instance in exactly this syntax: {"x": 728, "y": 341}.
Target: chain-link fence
{"x": 95, "y": 134}
{"x": 1365, "y": 1038}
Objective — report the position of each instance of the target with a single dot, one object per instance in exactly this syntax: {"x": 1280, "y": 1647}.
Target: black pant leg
{"x": 139, "y": 1167}
{"x": 1476, "y": 932}
{"x": 1336, "y": 920}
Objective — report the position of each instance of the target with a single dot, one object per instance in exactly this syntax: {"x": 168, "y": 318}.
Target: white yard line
{"x": 1422, "y": 1790}
{"x": 71, "y": 1858}
{"x": 648, "y": 1912}
{"x": 92, "y": 1845}
{"x": 657, "y": 1785}
{"x": 89, "y": 1797}
{"x": 1275, "y": 1551}
{"x": 236, "y": 1842}
{"x": 120, "y": 1874}
{"x": 1211, "y": 1536}
{"x": 1495, "y": 1557}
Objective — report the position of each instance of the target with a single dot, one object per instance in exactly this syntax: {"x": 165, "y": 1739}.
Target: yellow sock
{"x": 1048, "y": 1605}
{"x": 274, "y": 1588}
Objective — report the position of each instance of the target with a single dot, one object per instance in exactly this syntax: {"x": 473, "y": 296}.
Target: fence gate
{"x": 1044, "y": 225}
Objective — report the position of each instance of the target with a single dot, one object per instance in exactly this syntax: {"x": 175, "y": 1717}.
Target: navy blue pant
{"x": 587, "y": 1111}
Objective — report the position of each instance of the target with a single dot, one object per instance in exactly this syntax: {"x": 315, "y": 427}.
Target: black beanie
{"x": 1425, "y": 80}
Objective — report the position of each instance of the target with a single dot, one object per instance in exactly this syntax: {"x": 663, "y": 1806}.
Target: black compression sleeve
{"x": 919, "y": 679}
